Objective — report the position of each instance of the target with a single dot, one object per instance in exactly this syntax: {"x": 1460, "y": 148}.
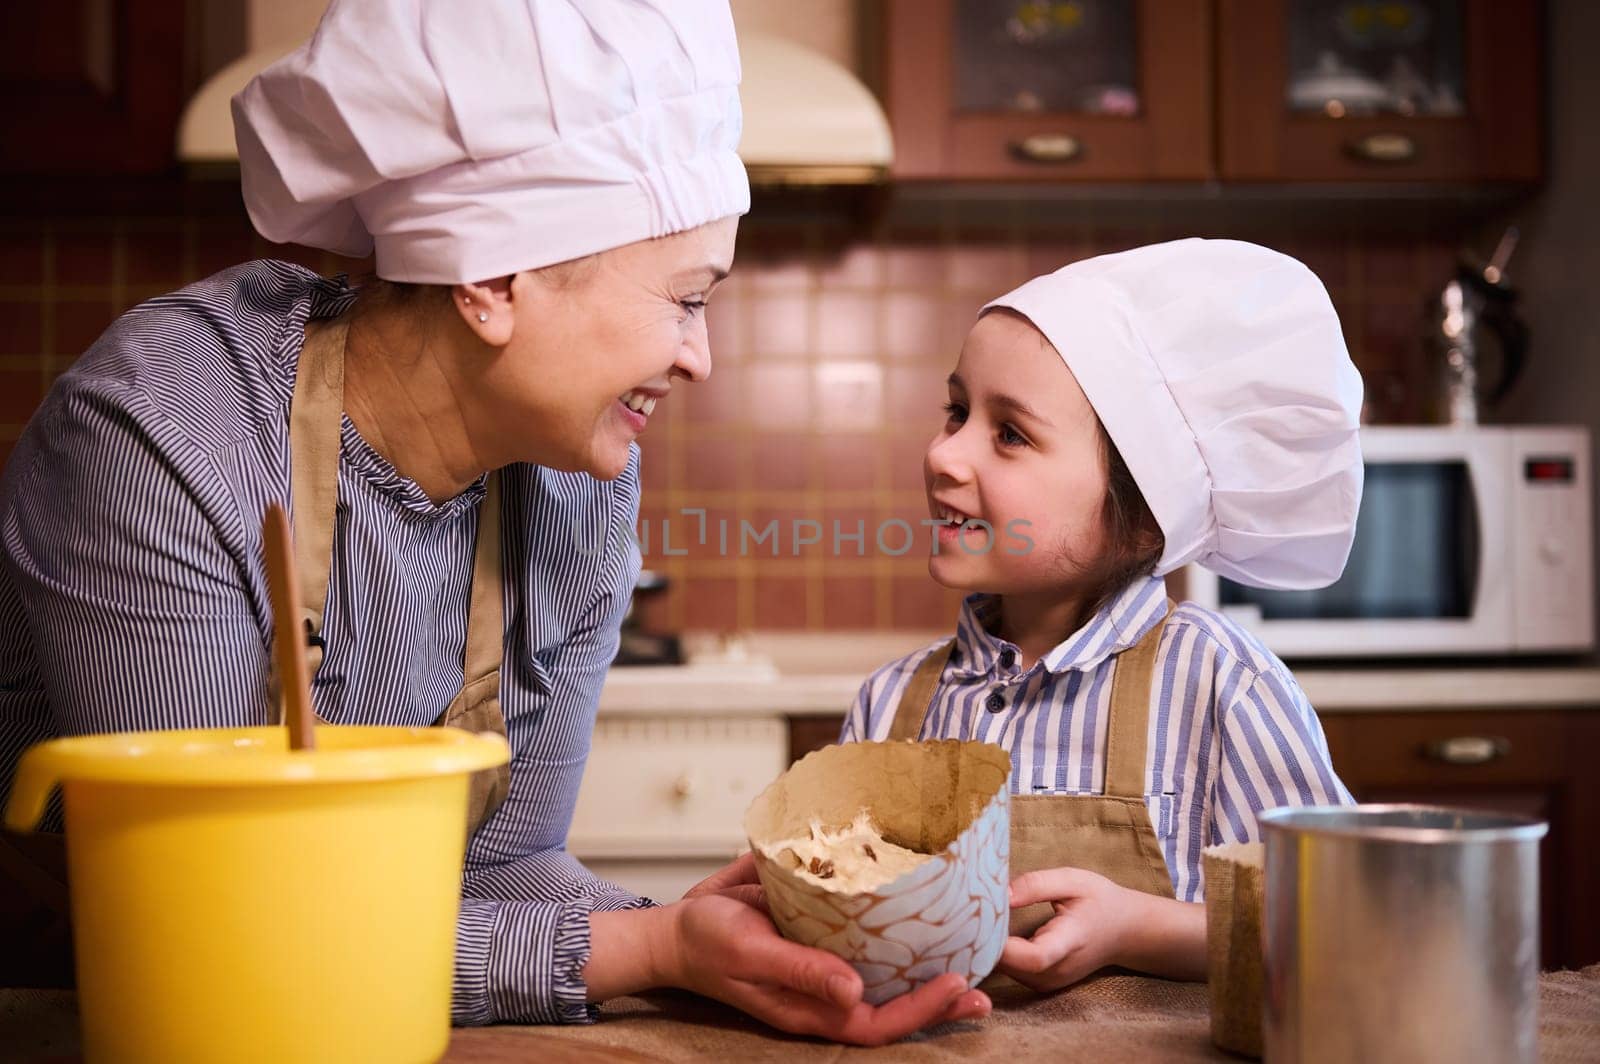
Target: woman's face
{"x": 1020, "y": 451}
{"x": 597, "y": 346}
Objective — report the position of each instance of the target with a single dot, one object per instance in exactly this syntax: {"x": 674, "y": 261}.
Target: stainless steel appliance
{"x": 1400, "y": 934}
{"x": 637, "y": 646}
{"x": 1470, "y": 540}
{"x": 1473, "y": 324}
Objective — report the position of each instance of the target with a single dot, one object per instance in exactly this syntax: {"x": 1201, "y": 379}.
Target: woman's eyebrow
{"x": 708, "y": 275}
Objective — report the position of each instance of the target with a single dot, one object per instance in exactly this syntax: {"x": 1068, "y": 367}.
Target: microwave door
{"x": 1422, "y": 576}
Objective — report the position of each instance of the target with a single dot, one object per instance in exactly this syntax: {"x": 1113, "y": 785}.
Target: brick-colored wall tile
{"x": 830, "y": 347}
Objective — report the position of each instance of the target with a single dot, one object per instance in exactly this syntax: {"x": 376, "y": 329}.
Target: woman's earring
{"x": 482, "y": 316}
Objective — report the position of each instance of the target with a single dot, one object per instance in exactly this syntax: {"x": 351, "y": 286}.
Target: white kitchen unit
{"x": 663, "y": 797}
{"x": 680, "y": 751}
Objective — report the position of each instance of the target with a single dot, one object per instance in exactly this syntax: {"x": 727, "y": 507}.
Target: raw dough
{"x": 852, "y": 859}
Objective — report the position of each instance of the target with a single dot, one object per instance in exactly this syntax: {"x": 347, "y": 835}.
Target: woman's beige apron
{"x": 34, "y": 911}
{"x": 315, "y": 419}
{"x": 1111, "y": 833}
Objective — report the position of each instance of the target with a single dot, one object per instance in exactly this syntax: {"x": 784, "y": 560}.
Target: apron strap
{"x": 917, "y": 698}
{"x": 1129, "y": 737}
{"x": 315, "y": 420}
{"x": 486, "y": 626}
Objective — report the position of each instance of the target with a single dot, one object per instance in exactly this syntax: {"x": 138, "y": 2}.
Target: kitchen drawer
{"x": 1536, "y": 762}
{"x": 662, "y": 879}
{"x": 673, "y": 786}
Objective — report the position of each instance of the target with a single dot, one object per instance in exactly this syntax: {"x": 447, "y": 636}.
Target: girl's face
{"x": 1020, "y": 451}
{"x": 592, "y": 354}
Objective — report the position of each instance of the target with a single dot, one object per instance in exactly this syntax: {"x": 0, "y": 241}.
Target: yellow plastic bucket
{"x": 236, "y": 900}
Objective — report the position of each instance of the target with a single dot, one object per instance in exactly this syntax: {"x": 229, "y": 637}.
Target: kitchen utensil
{"x": 1474, "y": 317}
{"x": 1401, "y": 933}
{"x": 1333, "y": 87}
{"x": 288, "y": 633}
{"x": 950, "y": 914}
{"x": 233, "y": 899}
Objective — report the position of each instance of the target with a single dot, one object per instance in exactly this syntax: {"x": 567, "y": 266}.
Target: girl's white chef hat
{"x": 468, "y": 141}
{"x": 1220, "y": 373}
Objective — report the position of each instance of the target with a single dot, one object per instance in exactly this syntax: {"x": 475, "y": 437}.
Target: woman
{"x": 551, "y": 193}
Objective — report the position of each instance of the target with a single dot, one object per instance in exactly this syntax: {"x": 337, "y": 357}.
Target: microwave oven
{"x": 1469, "y": 540}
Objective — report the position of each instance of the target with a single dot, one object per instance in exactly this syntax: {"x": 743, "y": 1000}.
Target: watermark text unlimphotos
{"x": 693, "y": 530}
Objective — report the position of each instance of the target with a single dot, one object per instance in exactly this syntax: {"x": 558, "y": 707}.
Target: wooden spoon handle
{"x": 288, "y": 642}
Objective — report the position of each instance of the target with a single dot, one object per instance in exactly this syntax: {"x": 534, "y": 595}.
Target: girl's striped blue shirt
{"x": 1231, "y": 733}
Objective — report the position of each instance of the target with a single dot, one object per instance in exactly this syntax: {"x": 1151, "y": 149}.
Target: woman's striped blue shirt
{"x": 132, "y": 597}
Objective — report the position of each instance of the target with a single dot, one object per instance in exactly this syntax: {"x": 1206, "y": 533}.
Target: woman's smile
{"x": 636, "y": 406}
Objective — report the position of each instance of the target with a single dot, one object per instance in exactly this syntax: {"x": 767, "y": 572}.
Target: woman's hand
{"x": 736, "y": 879}
{"x": 729, "y": 950}
{"x": 1098, "y": 923}
{"x": 719, "y": 941}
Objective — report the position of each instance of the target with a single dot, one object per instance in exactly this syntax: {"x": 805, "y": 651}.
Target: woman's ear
{"x": 486, "y": 308}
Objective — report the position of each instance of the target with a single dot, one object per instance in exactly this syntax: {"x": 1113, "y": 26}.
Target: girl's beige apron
{"x": 34, "y": 907}
{"x": 1111, "y": 833}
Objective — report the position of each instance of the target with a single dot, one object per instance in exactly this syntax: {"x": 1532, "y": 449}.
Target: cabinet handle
{"x": 1384, "y": 148}
{"x": 1048, "y": 148}
{"x": 1468, "y": 749}
{"x": 683, "y": 786}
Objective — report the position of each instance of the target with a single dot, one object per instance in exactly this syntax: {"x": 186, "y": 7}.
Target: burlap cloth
{"x": 1107, "y": 1021}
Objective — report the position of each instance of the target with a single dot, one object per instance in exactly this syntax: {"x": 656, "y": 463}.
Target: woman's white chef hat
{"x": 464, "y": 141}
{"x": 1220, "y": 373}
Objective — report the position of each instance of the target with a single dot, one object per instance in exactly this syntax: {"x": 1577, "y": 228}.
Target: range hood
{"x": 807, "y": 119}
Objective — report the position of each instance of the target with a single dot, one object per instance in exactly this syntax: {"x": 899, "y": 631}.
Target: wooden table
{"x": 1114, "y": 1019}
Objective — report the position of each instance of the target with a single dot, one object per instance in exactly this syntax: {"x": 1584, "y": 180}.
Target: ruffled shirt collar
{"x": 327, "y": 297}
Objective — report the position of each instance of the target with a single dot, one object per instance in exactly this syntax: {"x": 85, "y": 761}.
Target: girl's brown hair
{"x": 1133, "y": 540}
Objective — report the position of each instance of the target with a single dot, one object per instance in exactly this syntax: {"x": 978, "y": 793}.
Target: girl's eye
{"x": 1010, "y": 437}
{"x": 955, "y": 411}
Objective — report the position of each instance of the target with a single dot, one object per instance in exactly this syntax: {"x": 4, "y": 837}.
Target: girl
{"x": 1107, "y": 424}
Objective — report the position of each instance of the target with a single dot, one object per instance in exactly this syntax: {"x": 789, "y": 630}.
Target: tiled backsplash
{"x": 830, "y": 349}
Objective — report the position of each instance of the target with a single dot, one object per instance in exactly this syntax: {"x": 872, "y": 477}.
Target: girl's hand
{"x": 1092, "y": 921}
{"x": 1099, "y": 923}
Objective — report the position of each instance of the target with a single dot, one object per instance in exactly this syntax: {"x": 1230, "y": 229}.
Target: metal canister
{"x": 1400, "y": 933}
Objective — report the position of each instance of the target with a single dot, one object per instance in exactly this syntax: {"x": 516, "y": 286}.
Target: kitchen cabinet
{"x": 1072, "y": 90}
{"x": 663, "y": 796}
{"x": 1249, "y": 91}
{"x": 1538, "y": 762}
{"x": 812, "y": 733}
{"x": 1379, "y": 90}
{"x": 92, "y": 87}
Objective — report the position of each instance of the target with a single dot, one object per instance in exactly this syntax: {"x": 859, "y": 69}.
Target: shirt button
{"x": 1007, "y": 658}
{"x": 995, "y": 702}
